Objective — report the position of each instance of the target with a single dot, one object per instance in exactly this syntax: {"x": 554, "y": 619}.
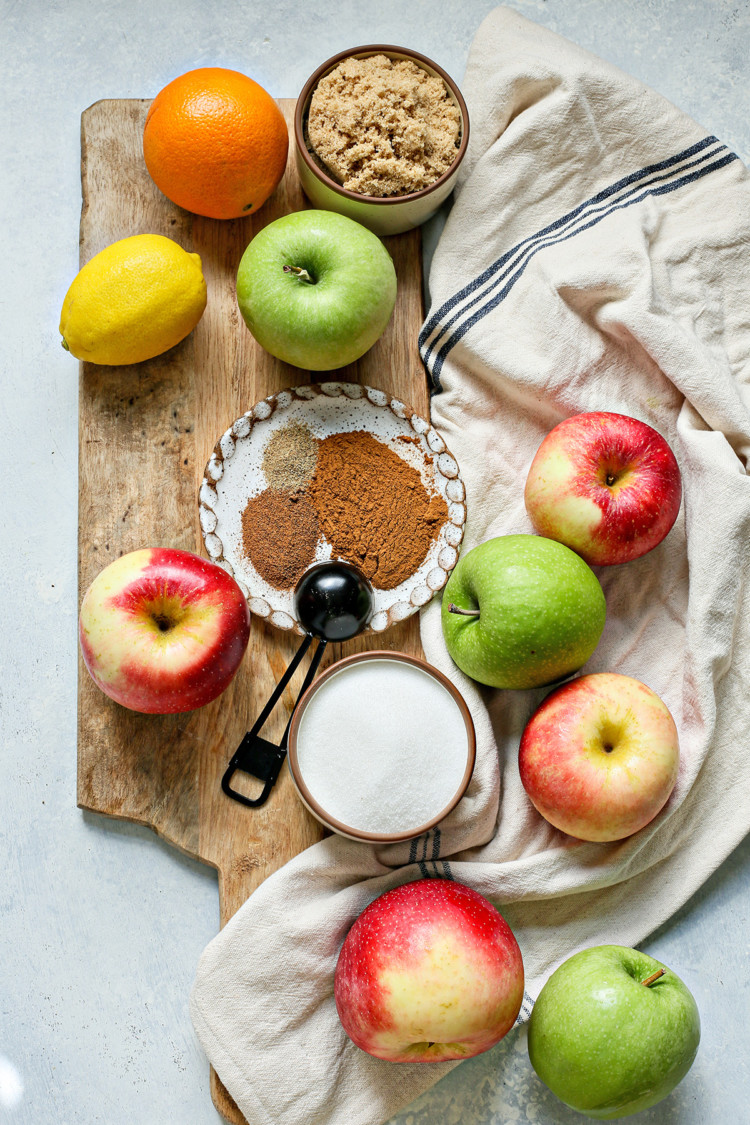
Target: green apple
{"x": 521, "y": 611}
{"x": 613, "y": 1031}
{"x": 316, "y": 289}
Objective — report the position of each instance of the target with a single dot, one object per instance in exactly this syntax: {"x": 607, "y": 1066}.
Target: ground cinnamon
{"x": 373, "y": 508}
{"x": 279, "y": 534}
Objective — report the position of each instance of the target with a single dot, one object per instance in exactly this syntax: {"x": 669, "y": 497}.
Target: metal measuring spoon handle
{"x": 333, "y": 602}
{"x": 257, "y": 756}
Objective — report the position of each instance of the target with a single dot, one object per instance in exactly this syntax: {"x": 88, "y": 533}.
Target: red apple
{"x": 163, "y": 630}
{"x": 599, "y": 757}
{"x": 606, "y": 485}
{"x": 429, "y": 971}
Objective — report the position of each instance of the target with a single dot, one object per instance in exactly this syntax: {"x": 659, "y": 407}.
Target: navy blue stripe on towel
{"x": 422, "y": 862}
{"x": 526, "y": 1005}
{"x": 559, "y": 227}
{"x": 586, "y": 215}
{"x": 606, "y": 193}
{"x": 434, "y": 859}
{"x": 435, "y": 851}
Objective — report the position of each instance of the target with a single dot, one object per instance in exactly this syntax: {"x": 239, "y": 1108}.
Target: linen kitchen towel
{"x": 596, "y": 258}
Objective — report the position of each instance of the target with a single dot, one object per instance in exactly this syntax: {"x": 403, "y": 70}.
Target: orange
{"x": 215, "y": 143}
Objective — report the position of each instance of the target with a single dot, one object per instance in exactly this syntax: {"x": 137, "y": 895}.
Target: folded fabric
{"x": 596, "y": 258}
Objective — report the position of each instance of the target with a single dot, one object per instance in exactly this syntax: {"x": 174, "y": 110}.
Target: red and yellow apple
{"x": 606, "y": 485}
{"x": 163, "y": 630}
{"x": 599, "y": 757}
{"x": 429, "y": 971}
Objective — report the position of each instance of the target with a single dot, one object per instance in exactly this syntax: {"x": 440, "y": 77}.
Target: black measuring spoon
{"x": 333, "y": 602}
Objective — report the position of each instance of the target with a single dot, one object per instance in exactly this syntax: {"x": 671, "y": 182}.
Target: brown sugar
{"x": 279, "y": 535}
{"x": 373, "y": 507}
{"x": 383, "y": 127}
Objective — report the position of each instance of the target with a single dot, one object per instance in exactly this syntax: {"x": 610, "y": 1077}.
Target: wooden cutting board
{"x": 145, "y": 434}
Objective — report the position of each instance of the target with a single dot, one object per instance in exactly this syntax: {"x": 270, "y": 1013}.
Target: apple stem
{"x": 653, "y": 977}
{"x": 464, "y": 612}
{"x": 299, "y": 272}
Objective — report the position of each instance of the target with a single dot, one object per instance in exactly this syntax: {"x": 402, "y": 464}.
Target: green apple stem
{"x": 464, "y": 612}
{"x": 654, "y": 976}
{"x": 299, "y": 272}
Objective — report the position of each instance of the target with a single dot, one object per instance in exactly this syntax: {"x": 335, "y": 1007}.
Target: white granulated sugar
{"x": 382, "y": 746}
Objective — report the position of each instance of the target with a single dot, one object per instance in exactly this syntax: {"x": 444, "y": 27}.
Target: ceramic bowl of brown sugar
{"x": 380, "y": 133}
{"x": 333, "y": 471}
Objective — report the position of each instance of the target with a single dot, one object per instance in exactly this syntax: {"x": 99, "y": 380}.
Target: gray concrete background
{"x": 101, "y": 924}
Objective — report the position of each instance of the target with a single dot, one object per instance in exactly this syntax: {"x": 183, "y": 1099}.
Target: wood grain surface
{"x": 145, "y": 434}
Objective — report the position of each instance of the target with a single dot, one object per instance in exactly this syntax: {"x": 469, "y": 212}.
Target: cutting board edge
{"x": 127, "y": 818}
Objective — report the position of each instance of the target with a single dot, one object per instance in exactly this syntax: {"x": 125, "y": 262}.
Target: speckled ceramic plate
{"x": 234, "y": 474}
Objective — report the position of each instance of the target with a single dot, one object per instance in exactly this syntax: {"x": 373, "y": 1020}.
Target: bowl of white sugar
{"x": 381, "y": 747}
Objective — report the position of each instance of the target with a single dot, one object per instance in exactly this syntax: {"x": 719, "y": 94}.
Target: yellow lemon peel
{"x": 134, "y": 300}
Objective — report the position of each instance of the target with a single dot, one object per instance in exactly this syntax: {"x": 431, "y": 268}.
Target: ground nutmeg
{"x": 279, "y": 535}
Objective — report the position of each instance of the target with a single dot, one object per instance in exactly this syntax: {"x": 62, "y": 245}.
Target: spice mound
{"x": 383, "y": 127}
{"x": 357, "y": 497}
{"x": 290, "y": 457}
{"x": 373, "y": 507}
{"x": 280, "y": 533}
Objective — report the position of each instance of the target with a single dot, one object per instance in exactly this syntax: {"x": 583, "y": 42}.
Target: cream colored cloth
{"x": 597, "y": 257}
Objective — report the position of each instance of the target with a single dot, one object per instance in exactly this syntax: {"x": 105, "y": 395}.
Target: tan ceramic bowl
{"x": 313, "y": 804}
{"x": 394, "y": 214}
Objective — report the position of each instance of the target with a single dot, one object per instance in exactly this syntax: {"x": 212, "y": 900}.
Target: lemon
{"x": 133, "y": 301}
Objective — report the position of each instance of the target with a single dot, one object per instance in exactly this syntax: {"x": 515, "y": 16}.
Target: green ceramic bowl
{"x": 383, "y": 216}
